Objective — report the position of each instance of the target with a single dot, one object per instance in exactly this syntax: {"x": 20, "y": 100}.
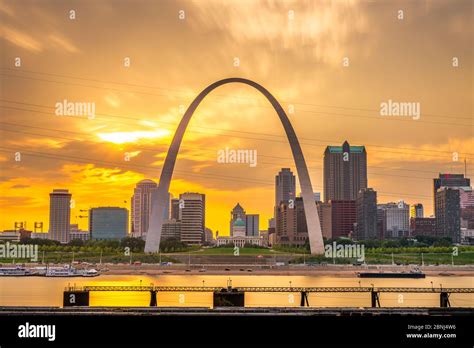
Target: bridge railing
{"x": 267, "y": 289}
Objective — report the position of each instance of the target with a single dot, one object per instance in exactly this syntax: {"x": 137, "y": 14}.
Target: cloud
{"x": 309, "y": 27}
{"x": 21, "y": 39}
{"x": 62, "y": 43}
{"x": 112, "y": 100}
{"x": 18, "y": 186}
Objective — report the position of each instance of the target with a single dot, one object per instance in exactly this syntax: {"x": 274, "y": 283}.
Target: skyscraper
{"x": 366, "y": 214}
{"x": 236, "y": 213}
{"x": 141, "y": 207}
{"x": 60, "y": 215}
{"x": 449, "y": 180}
{"x": 325, "y": 219}
{"x": 396, "y": 219}
{"x": 174, "y": 214}
{"x": 192, "y": 215}
{"x": 107, "y": 223}
{"x": 466, "y": 196}
{"x": 345, "y": 172}
{"x": 171, "y": 229}
{"x": 285, "y": 186}
{"x": 343, "y": 216}
{"x": 448, "y": 214}
{"x": 252, "y": 225}
{"x": 291, "y": 228}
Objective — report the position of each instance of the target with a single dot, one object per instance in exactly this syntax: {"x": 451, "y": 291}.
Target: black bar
{"x": 153, "y": 301}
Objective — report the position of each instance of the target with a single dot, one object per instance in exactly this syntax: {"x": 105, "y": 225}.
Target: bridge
{"x": 230, "y": 296}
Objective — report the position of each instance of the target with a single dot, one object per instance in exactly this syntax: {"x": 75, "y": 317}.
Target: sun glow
{"x": 130, "y": 137}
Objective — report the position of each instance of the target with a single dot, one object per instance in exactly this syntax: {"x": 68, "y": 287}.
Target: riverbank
{"x": 302, "y": 270}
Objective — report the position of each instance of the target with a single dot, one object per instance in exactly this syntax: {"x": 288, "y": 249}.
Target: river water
{"x": 42, "y": 291}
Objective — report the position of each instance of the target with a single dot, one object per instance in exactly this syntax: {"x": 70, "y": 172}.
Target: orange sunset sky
{"x": 293, "y": 48}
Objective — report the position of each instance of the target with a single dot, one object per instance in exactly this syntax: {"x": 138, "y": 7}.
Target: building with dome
{"x": 238, "y": 235}
{"x": 238, "y": 228}
{"x": 237, "y": 213}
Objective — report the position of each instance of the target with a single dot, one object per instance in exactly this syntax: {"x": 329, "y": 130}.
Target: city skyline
{"x": 138, "y": 107}
{"x": 239, "y": 212}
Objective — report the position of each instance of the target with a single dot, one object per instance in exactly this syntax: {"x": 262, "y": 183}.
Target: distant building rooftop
{"x": 353, "y": 149}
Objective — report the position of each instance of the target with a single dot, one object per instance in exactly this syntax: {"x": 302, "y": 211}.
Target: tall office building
{"x": 141, "y": 207}
{"x": 448, "y": 214}
{"x": 396, "y": 219}
{"x": 237, "y": 213}
{"x": 380, "y": 221}
{"x": 285, "y": 186}
{"x": 252, "y": 225}
{"x": 466, "y": 197}
{"x": 416, "y": 210}
{"x": 193, "y": 217}
{"x": 291, "y": 228}
{"x": 366, "y": 214}
{"x": 171, "y": 229}
{"x": 343, "y": 216}
{"x": 174, "y": 214}
{"x": 325, "y": 219}
{"x": 60, "y": 215}
{"x": 449, "y": 180}
{"x": 345, "y": 172}
{"x": 108, "y": 223}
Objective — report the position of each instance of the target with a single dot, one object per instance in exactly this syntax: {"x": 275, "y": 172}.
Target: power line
{"x": 246, "y": 132}
{"x": 218, "y": 176}
{"x": 216, "y": 95}
{"x": 311, "y": 112}
{"x": 149, "y": 150}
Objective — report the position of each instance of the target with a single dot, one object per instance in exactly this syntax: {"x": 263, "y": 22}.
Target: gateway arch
{"x": 159, "y": 198}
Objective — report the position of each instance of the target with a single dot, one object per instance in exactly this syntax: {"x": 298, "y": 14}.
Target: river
{"x": 42, "y": 291}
